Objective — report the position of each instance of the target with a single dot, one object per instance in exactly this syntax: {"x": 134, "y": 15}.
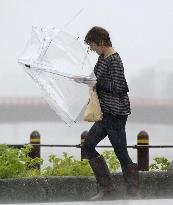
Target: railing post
{"x": 83, "y": 137}
{"x": 35, "y": 139}
{"x": 143, "y": 152}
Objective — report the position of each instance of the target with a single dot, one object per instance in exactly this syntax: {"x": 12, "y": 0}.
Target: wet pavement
{"x": 116, "y": 202}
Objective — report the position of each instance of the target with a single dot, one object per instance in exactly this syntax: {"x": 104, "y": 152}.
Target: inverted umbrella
{"x": 53, "y": 58}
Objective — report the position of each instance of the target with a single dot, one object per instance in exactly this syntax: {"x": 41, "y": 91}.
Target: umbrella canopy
{"x": 53, "y": 58}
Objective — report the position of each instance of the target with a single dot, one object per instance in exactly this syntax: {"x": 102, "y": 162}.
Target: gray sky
{"x": 141, "y": 31}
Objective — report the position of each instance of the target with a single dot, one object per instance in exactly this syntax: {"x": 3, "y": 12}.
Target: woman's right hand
{"x": 90, "y": 83}
{"x": 78, "y": 79}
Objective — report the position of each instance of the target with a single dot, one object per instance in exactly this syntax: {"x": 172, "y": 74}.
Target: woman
{"x": 112, "y": 89}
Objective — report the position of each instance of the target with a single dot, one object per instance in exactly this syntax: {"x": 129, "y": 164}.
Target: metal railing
{"x": 142, "y": 147}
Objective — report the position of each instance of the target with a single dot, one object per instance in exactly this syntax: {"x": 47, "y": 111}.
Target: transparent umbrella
{"x": 53, "y": 58}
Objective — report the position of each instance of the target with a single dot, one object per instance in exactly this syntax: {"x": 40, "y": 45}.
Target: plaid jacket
{"x": 111, "y": 85}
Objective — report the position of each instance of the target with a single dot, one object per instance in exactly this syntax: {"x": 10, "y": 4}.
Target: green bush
{"x": 16, "y": 162}
{"x": 111, "y": 160}
{"x": 160, "y": 164}
{"x": 68, "y": 166}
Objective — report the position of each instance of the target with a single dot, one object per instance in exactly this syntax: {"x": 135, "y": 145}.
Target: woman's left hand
{"x": 94, "y": 86}
{"x": 78, "y": 79}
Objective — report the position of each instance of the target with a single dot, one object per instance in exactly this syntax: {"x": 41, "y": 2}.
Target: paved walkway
{"x": 117, "y": 202}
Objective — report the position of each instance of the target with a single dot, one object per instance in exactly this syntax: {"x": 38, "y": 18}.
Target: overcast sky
{"x": 141, "y": 31}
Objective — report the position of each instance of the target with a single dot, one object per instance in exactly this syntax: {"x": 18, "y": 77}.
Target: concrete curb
{"x": 51, "y": 189}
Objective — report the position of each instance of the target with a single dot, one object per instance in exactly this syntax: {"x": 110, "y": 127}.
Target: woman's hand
{"x": 78, "y": 79}
{"x": 90, "y": 83}
{"x": 94, "y": 87}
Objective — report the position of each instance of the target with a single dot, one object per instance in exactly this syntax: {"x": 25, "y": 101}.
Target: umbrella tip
{"x": 28, "y": 66}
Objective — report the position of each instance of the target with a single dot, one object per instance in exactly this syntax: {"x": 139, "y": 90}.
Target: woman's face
{"x": 94, "y": 47}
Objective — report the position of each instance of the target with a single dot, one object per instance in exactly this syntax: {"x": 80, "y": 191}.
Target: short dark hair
{"x": 97, "y": 35}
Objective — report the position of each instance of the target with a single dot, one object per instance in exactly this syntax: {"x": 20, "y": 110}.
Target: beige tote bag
{"x": 93, "y": 111}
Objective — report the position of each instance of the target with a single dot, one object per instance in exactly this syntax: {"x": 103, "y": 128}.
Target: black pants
{"x": 114, "y": 127}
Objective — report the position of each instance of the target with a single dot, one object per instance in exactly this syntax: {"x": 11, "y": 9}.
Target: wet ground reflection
{"x": 117, "y": 202}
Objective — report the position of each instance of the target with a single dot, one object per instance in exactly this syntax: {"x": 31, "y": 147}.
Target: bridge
{"x": 23, "y": 109}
